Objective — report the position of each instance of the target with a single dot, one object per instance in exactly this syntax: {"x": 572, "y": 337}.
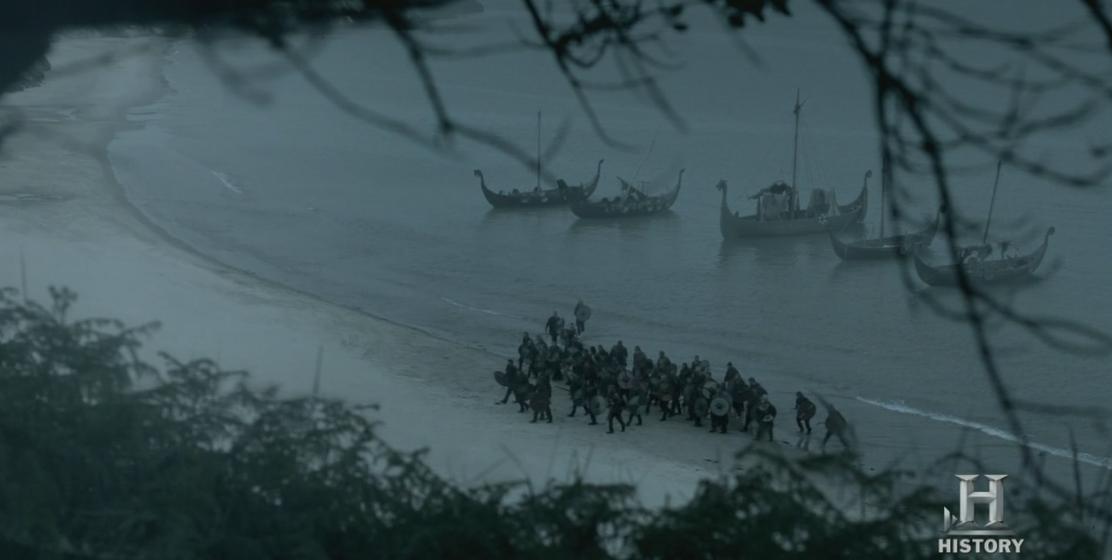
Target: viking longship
{"x": 778, "y": 209}
{"x": 1002, "y": 270}
{"x": 975, "y": 261}
{"x": 883, "y": 247}
{"x": 536, "y": 196}
{"x": 627, "y": 207}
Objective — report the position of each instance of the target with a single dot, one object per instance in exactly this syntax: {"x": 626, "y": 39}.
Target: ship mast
{"x": 885, "y": 181}
{"x": 795, "y": 153}
{"x": 992, "y": 203}
{"x": 538, "y": 149}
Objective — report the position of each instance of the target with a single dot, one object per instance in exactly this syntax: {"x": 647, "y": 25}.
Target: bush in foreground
{"x": 105, "y": 456}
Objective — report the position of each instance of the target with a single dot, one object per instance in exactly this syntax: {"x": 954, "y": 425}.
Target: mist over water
{"x": 297, "y": 191}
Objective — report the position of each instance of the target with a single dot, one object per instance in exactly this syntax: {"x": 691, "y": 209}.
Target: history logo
{"x": 962, "y": 534}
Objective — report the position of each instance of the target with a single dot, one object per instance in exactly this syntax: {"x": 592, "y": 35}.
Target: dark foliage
{"x": 105, "y": 456}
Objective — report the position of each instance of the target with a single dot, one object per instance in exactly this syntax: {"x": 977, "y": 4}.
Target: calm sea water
{"x": 271, "y": 177}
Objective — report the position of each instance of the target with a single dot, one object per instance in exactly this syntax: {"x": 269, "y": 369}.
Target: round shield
{"x": 719, "y": 406}
{"x": 662, "y": 386}
{"x": 500, "y": 377}
{"x": 634, "y": 402}
{"x": 597, "y": 404}
{"x": 710, "y": 387}
{"x": 625, "y": 380}
{"x": 807, "y": 410}
{"x": 701, "y": 407}
{"x": 583, "y": 313}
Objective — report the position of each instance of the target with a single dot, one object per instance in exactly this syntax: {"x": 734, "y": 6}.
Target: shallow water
{"x": 295, "y": 190}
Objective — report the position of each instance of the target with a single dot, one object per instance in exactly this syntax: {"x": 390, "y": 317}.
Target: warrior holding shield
{"x": 525, "y": 350}
{"x": 664, "y": 393}
{"x": 836, "y": 425}
{"x": 619, "y": 354}
{"x": 584, "y": 393}
{"x": 616, "y": 404}
{"x": 582, "y": 313}
{"x": 719, "y": 412}
{"x": 766, "y": 415}
{"x": 804, "y": 411}
{"x": 553, "y": 327}
{"x": 507, "y": 379}
{"x": 541, "y": 400}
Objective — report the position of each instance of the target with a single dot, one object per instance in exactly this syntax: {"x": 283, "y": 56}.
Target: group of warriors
{"x": 631, "y": 199}
{"x": 979, "y": 253}
{"x": 626, "y": 385}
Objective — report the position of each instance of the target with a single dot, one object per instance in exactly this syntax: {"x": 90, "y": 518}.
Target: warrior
{"x": 664, "y": 395}
{"x": 568, "y": 336}
{"x": 699, "y": 406}
{"x": 541, "y": 401}
{"x": 720, "y": 412}
{"x": 766, "y": 415}
{"x": 638, "y": 358}
{"x": 836, "y": 425}
{"x": 679, "y": 389}
{"x": 582, "y": 313}
{"x": 731, "y": 372}
{"x": 634, "y": 405}
{"x": 804, "y": 411}
{"x": 616, "y": 404}
{"x": 522, "y": 391}
{"x": 577, "y": 393}
{"x": 511, "y": 381}
{"x": 554, "y": 325}
{"x": 689, "y": 391}
{"x": 756, "y": 387}
{"x": 552, "y": 363}
{"x": 587, "y": 395}
{"x": 619, "y": 353}
{"x": 738, "y": 392}
{"x": 752, "y": 399}
{"x": 662, "y": 362}
{"x": 524, "y": 350}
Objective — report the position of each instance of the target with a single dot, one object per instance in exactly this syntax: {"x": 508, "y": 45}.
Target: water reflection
{"x": 776, "y": 252}
{"x": 665, "y": 225}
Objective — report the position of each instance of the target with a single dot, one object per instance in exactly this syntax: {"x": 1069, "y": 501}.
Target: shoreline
{"x": 411, "y": 367}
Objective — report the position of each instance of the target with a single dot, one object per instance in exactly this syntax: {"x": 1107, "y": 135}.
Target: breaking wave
{"x": 1087, "y": 458}
{"x": 473, "y": 308}
{"x": 226, "y": 181}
